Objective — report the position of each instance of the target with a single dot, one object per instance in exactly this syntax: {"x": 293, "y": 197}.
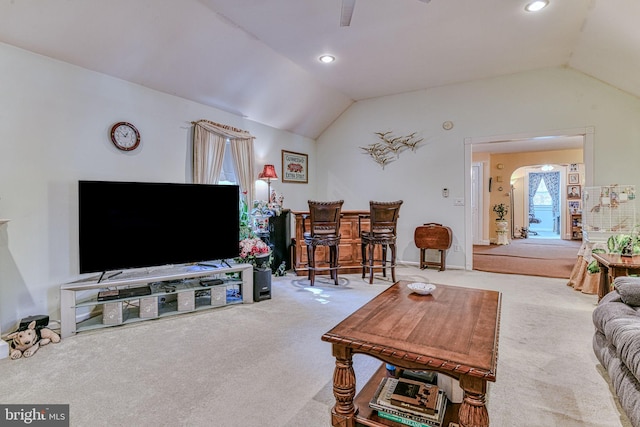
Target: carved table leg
{"x": 473, "y": 412}
{"x": 344, "y": 388}
{"x": 604, "y": 286}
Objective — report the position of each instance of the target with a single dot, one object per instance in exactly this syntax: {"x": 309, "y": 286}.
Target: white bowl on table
{"x": 422, "y": 288}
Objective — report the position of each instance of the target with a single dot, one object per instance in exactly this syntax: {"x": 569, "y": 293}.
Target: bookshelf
{"x": 576, "y": 225}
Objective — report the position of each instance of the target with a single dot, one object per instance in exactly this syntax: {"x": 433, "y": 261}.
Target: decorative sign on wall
{"x": 391, "y": 146}
{"x": 295, "y": 167}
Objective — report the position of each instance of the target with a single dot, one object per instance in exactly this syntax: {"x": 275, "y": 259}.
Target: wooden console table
{"x": 612, "y": 266}
{"x": 454, "y": 332}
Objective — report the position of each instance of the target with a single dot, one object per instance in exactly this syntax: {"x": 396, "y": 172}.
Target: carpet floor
{"x": 532, "y": 257}
{"x": 264, "y": 364}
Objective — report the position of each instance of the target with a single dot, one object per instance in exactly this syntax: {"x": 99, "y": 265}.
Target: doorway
{"x": 582, "y": 138}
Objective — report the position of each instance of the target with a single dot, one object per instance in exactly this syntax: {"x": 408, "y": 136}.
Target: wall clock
{"x": 125, "y": 136}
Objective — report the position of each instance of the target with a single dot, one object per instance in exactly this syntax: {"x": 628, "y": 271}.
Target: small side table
{"x": 612, "y": 266}
{"x": 433, "y": 236}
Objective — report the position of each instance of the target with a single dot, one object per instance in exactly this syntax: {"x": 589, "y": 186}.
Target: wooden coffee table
{"x": 454, "y": 332}
{"x": 612, "y": 266}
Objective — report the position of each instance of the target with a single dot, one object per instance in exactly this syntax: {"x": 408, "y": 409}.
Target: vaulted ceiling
{"x": 259, "y": 59}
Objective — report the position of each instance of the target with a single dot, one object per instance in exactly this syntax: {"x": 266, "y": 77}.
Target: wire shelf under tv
{"x": 188, "y": 296}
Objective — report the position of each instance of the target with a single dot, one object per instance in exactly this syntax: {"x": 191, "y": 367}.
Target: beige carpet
{"x": 264, "y": 364}
{"x": 533, "y": 257}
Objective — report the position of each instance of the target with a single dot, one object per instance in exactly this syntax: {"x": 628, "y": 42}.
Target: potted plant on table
{"x": 627, "y": 245}
{"x": 501, "y": 224}
{"x": 500, "y": 210}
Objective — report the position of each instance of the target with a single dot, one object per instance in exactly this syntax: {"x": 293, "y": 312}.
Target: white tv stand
{"x": 175, "y": 290}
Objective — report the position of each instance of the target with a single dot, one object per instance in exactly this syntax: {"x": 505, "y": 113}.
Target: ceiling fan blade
{"x": 347, "y": 12}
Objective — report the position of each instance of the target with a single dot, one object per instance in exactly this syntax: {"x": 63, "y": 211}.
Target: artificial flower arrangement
{"x": 252, "y": 250}
{"x": 255, "y": 252}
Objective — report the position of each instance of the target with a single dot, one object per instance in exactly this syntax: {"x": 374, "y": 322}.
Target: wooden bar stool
{"x": 382, "y": 231}
{"x": 433, "y": 236}
{"x": 324, "y": 220}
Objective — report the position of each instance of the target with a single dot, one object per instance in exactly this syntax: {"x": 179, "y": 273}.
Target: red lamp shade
{"x": 268, "y": 173}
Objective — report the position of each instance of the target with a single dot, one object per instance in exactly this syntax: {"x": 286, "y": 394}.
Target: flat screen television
{"x": 138, "y": 224}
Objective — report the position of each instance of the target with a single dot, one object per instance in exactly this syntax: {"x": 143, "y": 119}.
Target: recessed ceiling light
{"x": 537, "y": 5}
{"x": 327, "y": 59}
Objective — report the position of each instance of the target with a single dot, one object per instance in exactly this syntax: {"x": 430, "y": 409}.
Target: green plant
{"x": 245, "y": 225}
{"x": 593, "y": 267}
{"x": 627, "y": 244}
{"x": 500, "y": 210}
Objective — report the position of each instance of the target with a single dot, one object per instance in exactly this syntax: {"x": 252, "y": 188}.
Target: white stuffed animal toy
{"x": 26, "y": 343}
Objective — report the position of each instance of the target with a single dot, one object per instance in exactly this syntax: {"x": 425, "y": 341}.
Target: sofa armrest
{"x": 629, "y": 289}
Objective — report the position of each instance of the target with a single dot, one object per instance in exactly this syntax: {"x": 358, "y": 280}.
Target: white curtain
{"x": 208, "y": 153}
{"x": 209, "y": 140}
{"x": 242, "y": 151}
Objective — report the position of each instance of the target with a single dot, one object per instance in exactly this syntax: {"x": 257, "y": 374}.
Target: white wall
{"x": 54, "y": 124}
{"x": 533, "y": 102}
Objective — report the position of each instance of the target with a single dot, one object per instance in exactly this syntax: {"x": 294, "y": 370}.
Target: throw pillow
{"x": 629, "y": 289}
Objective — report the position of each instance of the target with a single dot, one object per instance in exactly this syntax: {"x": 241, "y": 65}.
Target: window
{"x": 542, "y": 197}
{"x": 228, "y": 172}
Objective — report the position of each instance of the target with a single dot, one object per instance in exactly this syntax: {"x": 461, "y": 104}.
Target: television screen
{"x": 135, "y": 224}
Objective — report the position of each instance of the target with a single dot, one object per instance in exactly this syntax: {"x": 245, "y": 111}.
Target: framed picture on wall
{"x": 295, "y": 167}
{"x": 574, "y": 178}
{"x": 574, "y": 206}
{"x": 573, "y": 192}
{"x": 573, "y": 167}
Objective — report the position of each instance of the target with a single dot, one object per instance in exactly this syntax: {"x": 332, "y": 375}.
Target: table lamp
{"x": 268, "y": 173}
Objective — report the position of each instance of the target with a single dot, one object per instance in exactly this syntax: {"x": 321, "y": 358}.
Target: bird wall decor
{"x": 391, "y": 146}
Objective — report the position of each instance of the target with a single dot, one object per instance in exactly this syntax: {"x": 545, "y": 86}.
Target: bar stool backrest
{"x": 324, "y": 218}
{"x": 384, "y": 218}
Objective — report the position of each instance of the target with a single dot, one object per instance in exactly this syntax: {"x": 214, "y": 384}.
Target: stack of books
{"x": 410, "y": 402}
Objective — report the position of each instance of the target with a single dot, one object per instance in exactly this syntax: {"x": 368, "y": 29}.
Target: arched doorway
{"x": 516, "y": 143}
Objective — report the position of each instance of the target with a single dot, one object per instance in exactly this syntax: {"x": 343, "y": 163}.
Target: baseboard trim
{"x": 417, "y": 264}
